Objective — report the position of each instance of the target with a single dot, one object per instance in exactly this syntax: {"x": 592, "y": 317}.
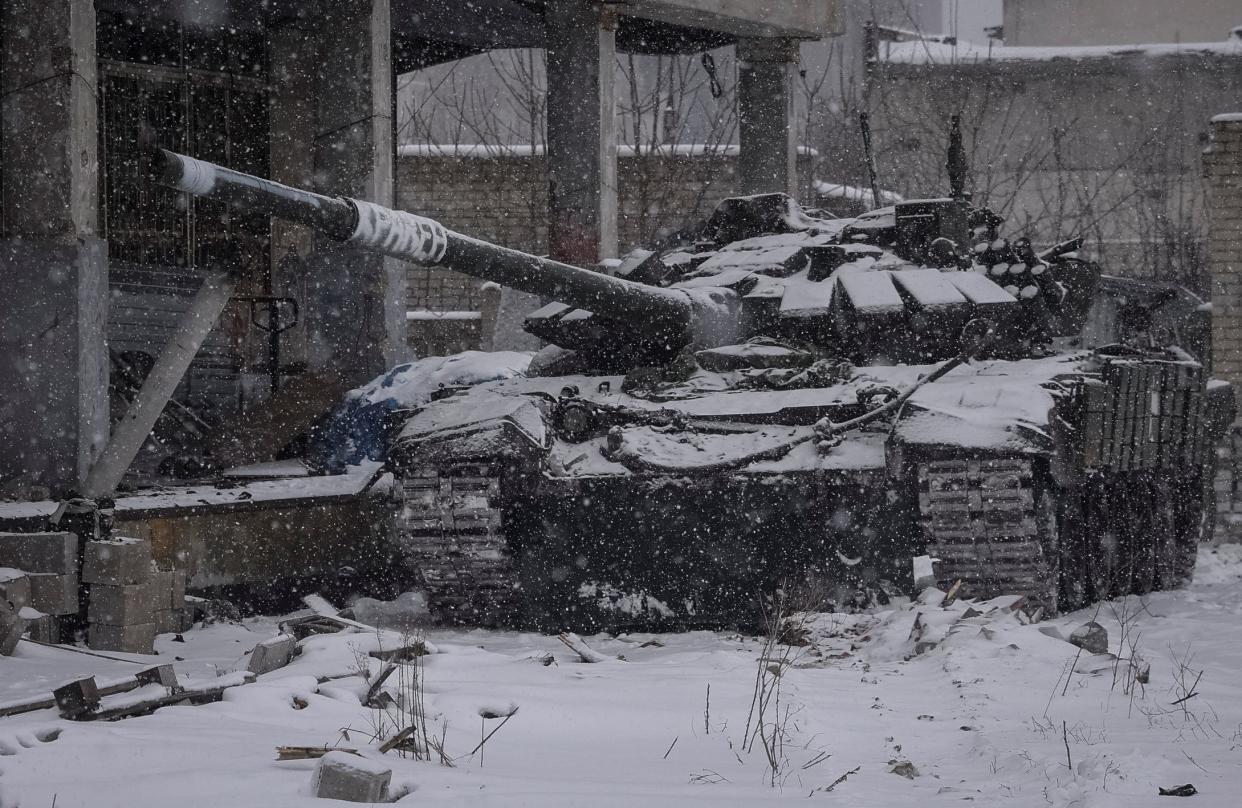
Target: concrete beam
{"x": 802, "y": 19}
{"x": 582, "y": 131}
{"x": 766, "y": 100}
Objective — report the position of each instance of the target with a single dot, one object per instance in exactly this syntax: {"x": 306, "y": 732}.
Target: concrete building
{"x": 101, "y": 265}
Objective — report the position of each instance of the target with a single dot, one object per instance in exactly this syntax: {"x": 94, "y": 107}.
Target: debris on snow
{"x": 1090, "y": 637}
{"x": 309, "y": 752}
{"x": 574, "y": 643}
{"x": 903, "y": 768}
{"x": 349, "y": 777}
{"x": 272, "y": 654}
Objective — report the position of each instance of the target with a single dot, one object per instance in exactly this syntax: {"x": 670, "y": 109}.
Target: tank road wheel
{"x": 450, "y": 530}
{"x": 990, "y": 528}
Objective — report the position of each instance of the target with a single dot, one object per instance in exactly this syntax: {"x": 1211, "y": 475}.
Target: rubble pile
{"x": 38, "y": 584}
{"x": 935, "y": 619}
{"x": 128, "y": 598}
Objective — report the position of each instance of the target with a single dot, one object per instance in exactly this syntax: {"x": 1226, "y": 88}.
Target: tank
{"x": 777, "y": 401}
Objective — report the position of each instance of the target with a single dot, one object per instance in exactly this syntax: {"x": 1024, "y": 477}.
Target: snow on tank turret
{"x": 777, "y": 399}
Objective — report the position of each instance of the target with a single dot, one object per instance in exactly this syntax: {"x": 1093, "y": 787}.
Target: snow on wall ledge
{"x": 928, "y": 52}
{"x": 498, "y": 150}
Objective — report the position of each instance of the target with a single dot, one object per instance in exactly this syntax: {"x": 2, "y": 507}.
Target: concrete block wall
{"x": 1223, "y": 171}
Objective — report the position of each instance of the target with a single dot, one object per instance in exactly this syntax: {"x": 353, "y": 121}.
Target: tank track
{"x": 985, "y": 522}
{"x": 450, "y": 530}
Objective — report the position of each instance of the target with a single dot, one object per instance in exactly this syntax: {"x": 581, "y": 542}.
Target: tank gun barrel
{"x": 410, "y": 237}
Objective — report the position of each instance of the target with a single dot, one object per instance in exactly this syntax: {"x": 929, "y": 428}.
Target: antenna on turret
{"x": 956, "y": 163}
{"x": 865, "y": 124}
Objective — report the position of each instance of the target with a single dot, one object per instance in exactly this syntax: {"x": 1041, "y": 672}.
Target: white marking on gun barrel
{"x": 197, "y": 177}
{"x": 399, "y": 234}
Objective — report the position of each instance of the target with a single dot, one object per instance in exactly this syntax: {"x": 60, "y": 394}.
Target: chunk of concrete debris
{"x": 40, "y": 552}
{"x": 176, "y": 596}
{"x": 169, "y": 621}
{"x": 924, "y": 572}
{"x": 135, "y": 638}
{"x": 272, "y": 654}
{"x": 904, "y": 768}
{"x": 45, "y": 628}
{"x": 52, "y": 593}
{"x": 161, "y": 583}
{"x": 77, "y": 698}
{"x": 164, "y": 675}
{"x": 1091, "y": 637}
{"x": 118, "y": 562}
{"x": 122, "y": 605}
{"x": 342, "y": 776}
{"x": 14, "y": 587}
{"x": 11, "y": 628}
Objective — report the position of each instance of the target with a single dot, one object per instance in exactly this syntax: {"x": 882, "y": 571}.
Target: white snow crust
{"x": 983, "y": 714}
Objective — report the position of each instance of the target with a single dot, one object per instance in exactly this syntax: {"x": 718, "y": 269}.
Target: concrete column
{"x": 54, "y": 268}
{"x": 582, "y": 131}
{"x": 1223, "y": 168}
{"x": 332, "y": 131}
{"x": 766, "y": 104}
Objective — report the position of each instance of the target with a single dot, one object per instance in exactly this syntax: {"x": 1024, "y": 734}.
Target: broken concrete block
{"x": 14, "y": 587}
{"x": 342, "y": 776}
{"x": 123, "y": 605}
{"x": 45, "y": 628}
{"x": 77, "y": 697}
{"x": 12, "y": 626}
{"x": 1091, "y": 637}
{"x": 54, "y": 594}
{"x": 177, "y": 594}
{"x": 164, "y": 675}
{"x": 161, "y": 588}
{"x": 119, "y": 562}
{"x": 272, "y": 654}
{"x": 169, "y": 621}
{"x": 137, "y": 638}
{"x": 40, "y": 552}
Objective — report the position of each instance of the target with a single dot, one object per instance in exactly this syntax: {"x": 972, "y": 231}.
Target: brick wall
{"x": 503, "y": 199}
{"x": 1223, "y": 169}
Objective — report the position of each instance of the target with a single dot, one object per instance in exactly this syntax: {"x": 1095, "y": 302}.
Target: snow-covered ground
{"x": 993, "y": 711}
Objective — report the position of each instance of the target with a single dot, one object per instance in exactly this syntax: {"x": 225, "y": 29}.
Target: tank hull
{"x": 503, "y": 527}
